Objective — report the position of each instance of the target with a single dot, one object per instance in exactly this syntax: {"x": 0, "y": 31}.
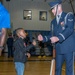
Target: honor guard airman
{"x": 62, "y": 34}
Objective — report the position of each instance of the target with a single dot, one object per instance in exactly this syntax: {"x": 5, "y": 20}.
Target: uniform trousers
{"x": 68, "y": 58}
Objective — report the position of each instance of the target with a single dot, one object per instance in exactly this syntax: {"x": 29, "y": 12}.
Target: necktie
{"x": 58, "y": 17}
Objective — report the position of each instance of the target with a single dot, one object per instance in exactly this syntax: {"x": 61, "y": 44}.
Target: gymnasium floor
{"x": 34, "y": 66}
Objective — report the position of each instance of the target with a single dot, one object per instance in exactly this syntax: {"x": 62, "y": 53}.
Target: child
{"x": 20, "y": 51}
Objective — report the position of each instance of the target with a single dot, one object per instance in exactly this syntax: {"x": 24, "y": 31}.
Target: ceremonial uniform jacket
{"x": 64, "y": 30}
{"x": 20, "y": 50}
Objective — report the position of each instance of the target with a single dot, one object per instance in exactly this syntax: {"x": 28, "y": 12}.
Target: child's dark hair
{"x": 16, "y": 33}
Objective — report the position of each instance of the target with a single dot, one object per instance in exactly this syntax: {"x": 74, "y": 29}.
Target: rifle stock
{"x": 52, "y": 69}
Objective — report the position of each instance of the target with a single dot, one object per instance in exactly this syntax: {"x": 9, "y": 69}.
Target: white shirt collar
{"x": 59, "y": 14}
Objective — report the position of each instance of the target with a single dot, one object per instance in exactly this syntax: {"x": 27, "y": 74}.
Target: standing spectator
{"x": 10, "y": 45}
{"x": 50, "y": 47}
{"x": 4, "y": 24}
{"x": 42, "y": 52}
